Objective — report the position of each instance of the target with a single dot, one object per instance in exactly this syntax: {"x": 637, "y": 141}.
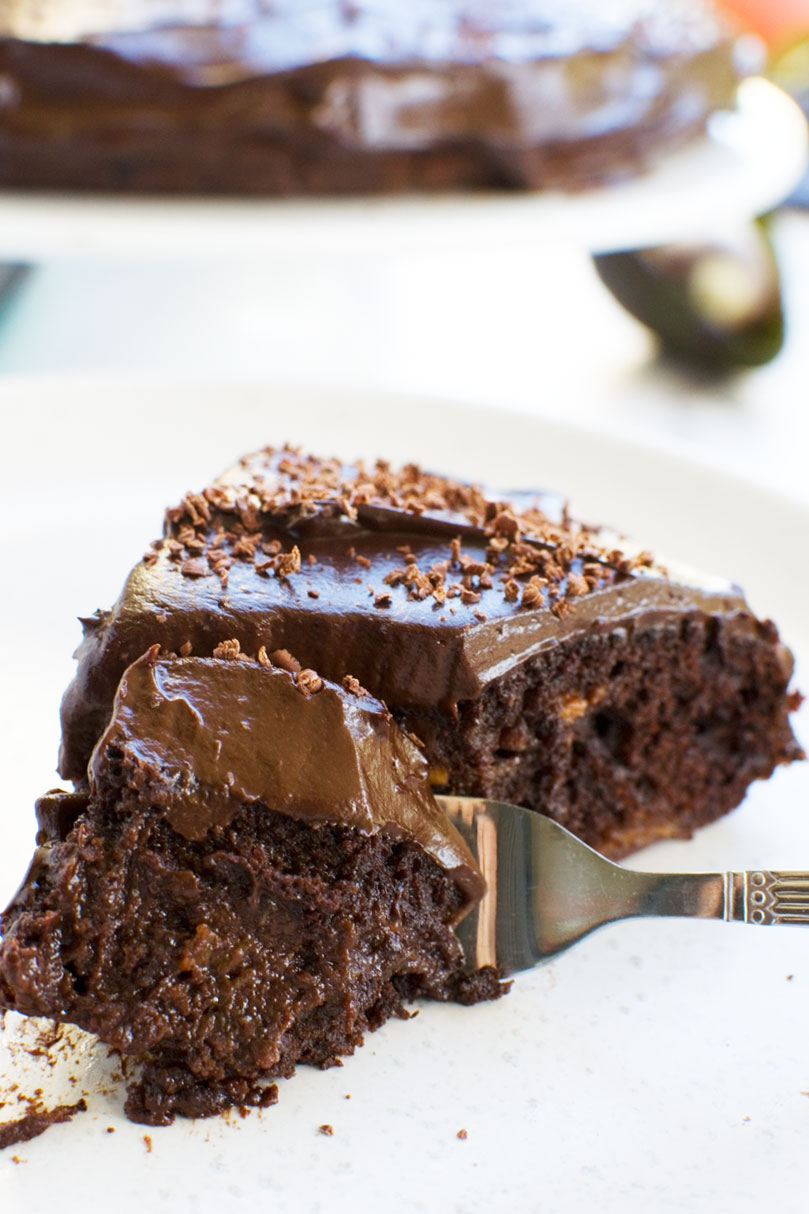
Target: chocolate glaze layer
{"x": 354, "y": 96}
{"x": 348, "y": 608}
{"x": 200, "y": 737}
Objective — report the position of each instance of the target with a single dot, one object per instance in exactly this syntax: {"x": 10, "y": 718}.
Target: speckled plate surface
{"x": 658, "y": 1066}
{"x": 747, "y": 163}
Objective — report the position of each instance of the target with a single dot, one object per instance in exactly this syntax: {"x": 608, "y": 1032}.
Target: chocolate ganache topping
{"x": 422, "y": 588}
{"x": 199, "y": 737}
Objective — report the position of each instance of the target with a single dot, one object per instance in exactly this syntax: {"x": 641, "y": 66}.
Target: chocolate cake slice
{"x": 255, "y": 874}
{"x": 372, "y": 96}
{"x": 252, "y": 870}
{"x": 538, "y": 660}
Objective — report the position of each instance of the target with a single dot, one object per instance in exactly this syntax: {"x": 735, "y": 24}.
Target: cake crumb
{"x": 147, "y": 1142}
{"x": 37, "y": 1120}
{"x": 462, "y": 1134}
{"x": 326, "y": 1129}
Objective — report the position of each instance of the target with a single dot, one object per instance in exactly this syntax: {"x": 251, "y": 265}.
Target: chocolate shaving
{"x": 230, "y": 650}
{"x": 287, "y": 563}
{"x": 354, "y": 686}
{"x": 576, "y": 585}
{"x": 284, "y": 659}
{"x": 309, "y": 682}
{"x": 194, "y": 567}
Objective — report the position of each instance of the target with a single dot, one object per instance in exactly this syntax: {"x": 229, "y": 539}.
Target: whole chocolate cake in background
{"x": 281, "y": 97}
{"x": 251, "y": 871}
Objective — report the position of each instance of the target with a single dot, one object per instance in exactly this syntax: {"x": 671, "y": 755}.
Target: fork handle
{"x": 758, "y": 896}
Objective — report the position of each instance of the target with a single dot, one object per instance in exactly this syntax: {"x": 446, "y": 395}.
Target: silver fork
{"x": 546, "y": 889}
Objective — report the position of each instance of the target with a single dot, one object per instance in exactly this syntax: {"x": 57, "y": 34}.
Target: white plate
{"x": 658, "y": 1066}
{"x": 748, "y": 163}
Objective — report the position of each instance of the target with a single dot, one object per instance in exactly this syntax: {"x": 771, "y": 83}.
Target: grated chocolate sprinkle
{"x": 283, "y": 489}
{"x": 230, "y": 650}
{"x": 194, "y": 567}
{"x": 309, "y": 682}
{"x": 284, "y": 659}
{"x": 576, "y": 585}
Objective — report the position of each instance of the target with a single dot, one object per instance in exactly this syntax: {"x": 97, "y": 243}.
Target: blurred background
{"x": 142, "y": 337}
{"x": 709, "y": 351}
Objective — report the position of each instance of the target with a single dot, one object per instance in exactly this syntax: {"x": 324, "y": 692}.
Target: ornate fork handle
{"x": 766, "y": 897}
{"x": 758, "y": 896}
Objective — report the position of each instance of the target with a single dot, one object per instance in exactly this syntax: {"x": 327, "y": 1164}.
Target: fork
{"x": 546, "y": 890}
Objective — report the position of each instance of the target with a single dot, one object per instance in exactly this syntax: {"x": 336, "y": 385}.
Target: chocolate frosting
{"x": 422, "y": 588}
{"x": 375, "y": 75}
{"x": 199, "y": 737}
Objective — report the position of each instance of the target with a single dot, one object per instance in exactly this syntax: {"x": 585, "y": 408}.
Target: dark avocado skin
{"x": 652, "y": 284}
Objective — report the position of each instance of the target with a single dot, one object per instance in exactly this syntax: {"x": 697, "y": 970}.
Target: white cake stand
{"x": 748, "y": 162}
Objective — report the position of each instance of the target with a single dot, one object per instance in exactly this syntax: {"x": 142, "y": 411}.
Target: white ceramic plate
{"x": 748, "y": 163}
{"x": 658, "y": 1066}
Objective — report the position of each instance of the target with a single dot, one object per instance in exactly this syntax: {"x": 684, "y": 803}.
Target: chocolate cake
{"x": 252, "y": 871}
{"x": 254, "y": 874}
{"x": 283, "y": 97}
{"x": 538, "y": 660}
